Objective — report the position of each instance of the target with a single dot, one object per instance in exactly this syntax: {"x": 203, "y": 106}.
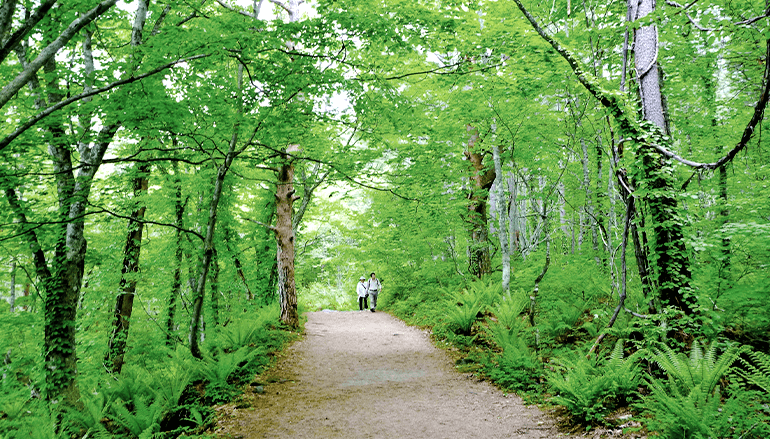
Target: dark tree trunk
{"x": 124, "y": 303}
{"x": 215, "y": 288}
{"x": 176, "y": 287}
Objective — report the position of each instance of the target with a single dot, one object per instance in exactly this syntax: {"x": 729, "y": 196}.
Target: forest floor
{"x": 359, "y": 374}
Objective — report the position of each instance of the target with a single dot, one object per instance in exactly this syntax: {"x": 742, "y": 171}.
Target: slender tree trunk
{"x": 237, "y": 263}
{"x": 13, "y": 287}
{"x": 215, "y": 289}
{"x": 208, "y": 251}
{"x": 124, "y": 303}
{"x": 176, "y": 287}
{"x": 284, "y": 236}
{"x": 502, "y": 213}
{"x": 208, "y": 241}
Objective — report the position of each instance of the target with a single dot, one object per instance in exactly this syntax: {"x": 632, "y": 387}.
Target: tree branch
{"x": 46, "y": 54}
{"x": 45, "y": 113}
{"x": 22, "y": 32}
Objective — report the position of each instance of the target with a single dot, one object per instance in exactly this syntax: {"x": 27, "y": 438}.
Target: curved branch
{"x": 748, "y": 132}
{"x": 45, "y": 113}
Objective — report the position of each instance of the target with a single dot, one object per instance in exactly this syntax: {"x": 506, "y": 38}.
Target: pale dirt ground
{"x": 359, "y": 374}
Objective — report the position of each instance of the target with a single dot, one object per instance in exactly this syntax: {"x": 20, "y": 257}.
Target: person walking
{"x": 362, "y": 294}
{"x": 373, "y": 287}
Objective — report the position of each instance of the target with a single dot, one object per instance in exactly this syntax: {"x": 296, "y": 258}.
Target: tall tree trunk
{"x": 208, "y": 242}
{"x": 502, "y": 213}
{"x": 284, "y": 236}
{"x": 672, "y": 264}
{"x": 124, "y": 303}
{"x": 176, "y": 287}
{"x": 215, "y": 288}
{"x": 479, "y": 260}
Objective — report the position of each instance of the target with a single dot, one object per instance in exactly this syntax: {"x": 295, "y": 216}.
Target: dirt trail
{"x": 368, "y": 375}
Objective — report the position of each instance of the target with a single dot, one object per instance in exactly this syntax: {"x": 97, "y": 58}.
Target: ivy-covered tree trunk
{"x": 124, "y": 303}
{"x": 671, "y": 261}
{"x": 482, "y": 177}
{"x": 284, "y": 236}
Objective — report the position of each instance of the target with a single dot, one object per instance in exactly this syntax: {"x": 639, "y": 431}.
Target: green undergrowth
{"x": 169, "y": 394}
{"x": 703, "y": 385}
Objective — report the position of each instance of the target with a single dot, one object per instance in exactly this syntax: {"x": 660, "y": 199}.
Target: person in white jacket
{"x": 362, "y": 294}
{"x": 373, "y": 288}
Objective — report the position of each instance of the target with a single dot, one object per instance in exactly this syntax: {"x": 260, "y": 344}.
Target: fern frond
{"x": 757, "y": 371}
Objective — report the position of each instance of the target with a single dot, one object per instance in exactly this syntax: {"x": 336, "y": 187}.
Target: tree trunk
{"x": 479, "y": 260}
{"x": 208, "y": 253}
{"x": 502, "y": 213}
{"x": 124, "y": 303}
{"x": 13, "y": 287}
{"x": 176, "y": 287}
{"x": 284, "y": 236}
{"x": 672, "y": 264}
{"x": 215, "y": 289}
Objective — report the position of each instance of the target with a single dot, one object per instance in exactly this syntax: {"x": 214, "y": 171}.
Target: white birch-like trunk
{"x": 499, "y": 210}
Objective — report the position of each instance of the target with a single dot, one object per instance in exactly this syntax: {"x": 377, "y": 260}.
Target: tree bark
{"x": 176, "y": 287}
{"x": 284, "y": 236}
{"x": 479, "y": 260}
{"x": 672, "y": 264}
{"x": 124, "y": 303}
{"x": 502, "y": 214}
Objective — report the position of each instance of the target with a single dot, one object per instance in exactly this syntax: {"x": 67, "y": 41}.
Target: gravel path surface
{"x": 359, "y": 374}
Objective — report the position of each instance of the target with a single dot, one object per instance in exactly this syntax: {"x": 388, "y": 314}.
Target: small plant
{"x": 590, "y": 391}
{"x": 144, "y": 420}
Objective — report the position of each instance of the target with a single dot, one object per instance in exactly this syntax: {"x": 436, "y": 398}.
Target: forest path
{"x": 359, "y": 374}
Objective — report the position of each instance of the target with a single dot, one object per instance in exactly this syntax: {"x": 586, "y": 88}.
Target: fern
{"x": 757, "y": 371}
{"x": 590, "y": 391}
{"x": 145, "y": 419}
{"x": 508, "y": 310}
{"x": 702, "y": 369}
{"x": 463, "y": 310}
{"x": 689, "y": 403}
{"x": 517, "y": 366}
